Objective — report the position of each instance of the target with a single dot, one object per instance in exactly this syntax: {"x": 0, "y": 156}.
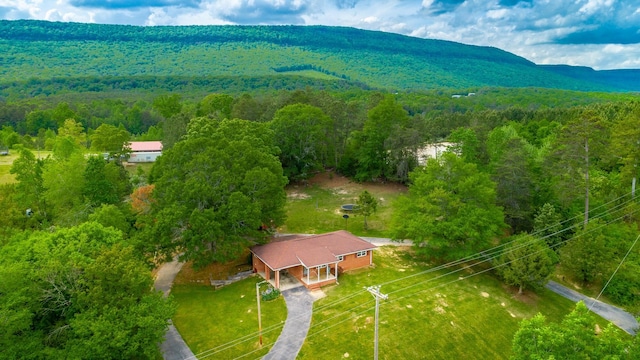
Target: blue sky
{"x": 603, "y": 34}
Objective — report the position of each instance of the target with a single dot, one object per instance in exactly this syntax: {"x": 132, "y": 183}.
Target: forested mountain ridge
{"x": 46, "y": 50}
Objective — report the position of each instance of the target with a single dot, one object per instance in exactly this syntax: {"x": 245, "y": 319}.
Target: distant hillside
{"x": 48, "y": 50}
{"x": 623, "y": 80}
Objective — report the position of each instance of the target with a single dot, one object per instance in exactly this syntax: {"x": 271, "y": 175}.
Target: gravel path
{"x": 617, "y": 316}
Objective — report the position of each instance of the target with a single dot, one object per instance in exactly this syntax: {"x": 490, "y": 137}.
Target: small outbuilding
{"x": 314, "y": 260}
{"x": 144, "y": 151}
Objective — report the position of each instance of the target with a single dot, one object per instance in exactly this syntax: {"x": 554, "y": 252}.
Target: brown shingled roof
{"x": 311, "y": 250}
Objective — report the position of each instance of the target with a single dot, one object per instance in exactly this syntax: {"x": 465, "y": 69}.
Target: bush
{"x": 624, "y": 288}
{"x": 270, "y": 294}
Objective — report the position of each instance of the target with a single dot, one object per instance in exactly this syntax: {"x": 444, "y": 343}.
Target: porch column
{"x": 307, "y": 274}
{"x": 336, "y": 265}
{"x": 277, "y": 279}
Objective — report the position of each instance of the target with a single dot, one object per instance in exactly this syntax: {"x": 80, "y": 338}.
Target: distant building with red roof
{"x": 314, "y": 260}
{"x": 144, "y": 151}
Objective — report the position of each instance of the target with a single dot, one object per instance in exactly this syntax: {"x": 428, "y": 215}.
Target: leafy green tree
{"x": 168, "y": 105}
{"x": 589, "y": 253}
{"x": 109, "y": 215}
{"x": 301, "y": 133}
{"x": 547, "y": 225}
{"x": 82, "y": 293}
{"x": 173, "y": 129}
{"x": 13, "y": 215}
{"x": 30, "y": 188}
{"x": 8, "y": 137}
{"x": 382, "y": 121}
{"x": 581, "y": 141}
{"x": 574, "y": 338}
{"x": 74, "y": 130}
{"x": 246, "y": 108}
{"x": 625, "y": 143}
{"x": 511, "y": 169}
{"x": 105, "y": 182}
{"x": 215, "y": 191}
{"x": 110, "y": 139}
{"x": 449, "y": 211}
{"x": 527, "y": 262}
{"x": 64, "y": 182}
{"x": 367, "y": 206}
{"x": 216, "y": 105}
{"x": 466, "y": 145}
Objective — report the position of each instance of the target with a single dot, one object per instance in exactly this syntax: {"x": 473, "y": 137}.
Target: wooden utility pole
{"x": 375, "y": 291}
{"x": 259, "y": 315}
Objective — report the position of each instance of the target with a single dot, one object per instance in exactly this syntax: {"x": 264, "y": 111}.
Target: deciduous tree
{"x": 449, "y": 211}
{"x": 367, "y": 206}
{"x": 301, "y": 133}
{"x": 527, "y": 262}
{"x": 218, "y": 189}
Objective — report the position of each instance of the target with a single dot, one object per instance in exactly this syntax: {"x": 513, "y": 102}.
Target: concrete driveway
{"x": 173, "y": 347}
{"x": 619, "y": 317}
{"x": 299, "y": 309}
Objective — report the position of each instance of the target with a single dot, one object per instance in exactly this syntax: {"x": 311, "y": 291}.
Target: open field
{"x": 314, "y": 207}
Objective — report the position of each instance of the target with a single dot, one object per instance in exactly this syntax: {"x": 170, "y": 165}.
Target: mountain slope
{"x": 45, "y": 50}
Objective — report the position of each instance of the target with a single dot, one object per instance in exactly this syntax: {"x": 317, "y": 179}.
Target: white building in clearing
{"x": 144, "y": 151}
{"x": 432, "y": 151}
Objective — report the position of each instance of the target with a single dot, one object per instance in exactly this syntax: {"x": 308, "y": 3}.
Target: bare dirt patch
{"x": 343, "y": 185}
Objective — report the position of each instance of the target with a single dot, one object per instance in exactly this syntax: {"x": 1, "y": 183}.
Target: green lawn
{"x": 454, "y": 313}
{"x": 445, "y": 318}
{"x": 223, "y": 323}
{"x": 314, "y": 209}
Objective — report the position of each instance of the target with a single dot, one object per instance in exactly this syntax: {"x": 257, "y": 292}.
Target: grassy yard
{"x": 7, "y": 161}
{"x": 437, "y": 315}
{"x": 315, "y": 208}
{"x": 223, "y": 323}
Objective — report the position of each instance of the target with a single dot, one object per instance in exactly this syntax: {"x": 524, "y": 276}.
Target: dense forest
{"x": 379, "y": 60}
{"x": 545, "y": 175}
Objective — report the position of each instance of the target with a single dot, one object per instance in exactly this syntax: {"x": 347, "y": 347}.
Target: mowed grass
{"x": 223, "y": 323}
{"x": 314, "y": 208}
{"x": 457, "y": 313}
{"x": 6, "y": 161}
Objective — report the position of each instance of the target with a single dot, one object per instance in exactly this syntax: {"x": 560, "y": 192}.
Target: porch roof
{"x": 311, "y": 250}
{"x": 316, "y": 257}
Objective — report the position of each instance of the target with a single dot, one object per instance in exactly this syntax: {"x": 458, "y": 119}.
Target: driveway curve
{"x": 617, "y": 316}
{"x": 299, "y": 308}
{"x": 173, "y": 347}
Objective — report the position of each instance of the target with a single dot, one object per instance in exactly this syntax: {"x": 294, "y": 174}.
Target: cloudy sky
{"x": 603, "y": 34}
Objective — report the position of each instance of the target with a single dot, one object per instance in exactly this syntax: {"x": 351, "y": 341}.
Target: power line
{"x": 494, "y": 252}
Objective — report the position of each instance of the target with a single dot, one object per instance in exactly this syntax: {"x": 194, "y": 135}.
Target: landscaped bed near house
{"x": 223, "y": 323}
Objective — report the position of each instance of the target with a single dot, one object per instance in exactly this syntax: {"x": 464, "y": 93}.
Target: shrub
{"x": 270, "y": 294}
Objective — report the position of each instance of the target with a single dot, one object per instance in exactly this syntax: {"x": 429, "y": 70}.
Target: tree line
{"x": 554, "y": 182}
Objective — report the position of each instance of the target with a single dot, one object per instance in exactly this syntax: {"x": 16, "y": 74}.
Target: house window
{"x": 340, "y": 257}
{"x": 361, "y": 253}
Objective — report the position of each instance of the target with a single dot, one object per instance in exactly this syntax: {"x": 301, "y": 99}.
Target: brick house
{"x": 314, "y": 260}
